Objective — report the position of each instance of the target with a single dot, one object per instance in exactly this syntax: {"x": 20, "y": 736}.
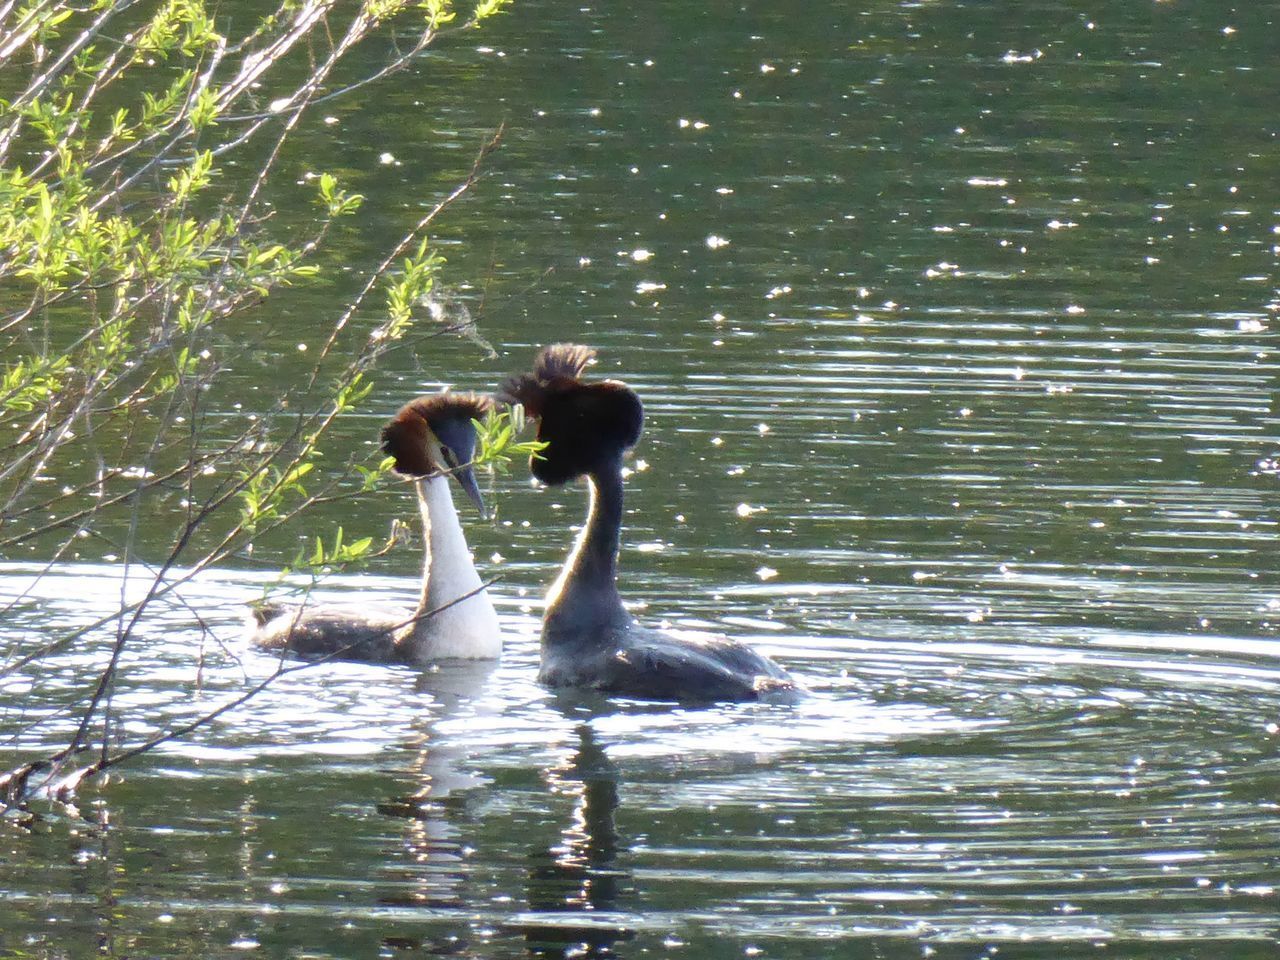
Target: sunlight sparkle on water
{"x": 1025, "y": 514}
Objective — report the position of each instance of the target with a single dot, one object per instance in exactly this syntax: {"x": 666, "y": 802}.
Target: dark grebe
{"x": 430, "y": 438}
{"x": 588, "y": 638}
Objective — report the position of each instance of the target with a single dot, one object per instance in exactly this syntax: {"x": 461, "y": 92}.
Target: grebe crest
{"x": 583, "y": 424}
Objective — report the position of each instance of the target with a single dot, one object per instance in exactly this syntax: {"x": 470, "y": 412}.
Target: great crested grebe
{"x": 588, "y": 638}
{"x": 431, "y": 439}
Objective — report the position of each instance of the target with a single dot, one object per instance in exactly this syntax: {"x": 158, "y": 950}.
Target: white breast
{"x": 463, "y": 628}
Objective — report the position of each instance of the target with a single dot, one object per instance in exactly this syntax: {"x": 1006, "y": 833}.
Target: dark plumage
{"x": 646, "y": 664}
{"x": 588, "y": 638}
{"x": 581, "y": 423}
{"x": 557, "y": 367}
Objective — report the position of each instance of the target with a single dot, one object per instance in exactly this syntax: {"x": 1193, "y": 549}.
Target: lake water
{"x": 955, "y": 329}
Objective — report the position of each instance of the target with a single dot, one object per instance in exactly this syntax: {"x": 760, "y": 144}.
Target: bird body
{"x": 329, "y": 630}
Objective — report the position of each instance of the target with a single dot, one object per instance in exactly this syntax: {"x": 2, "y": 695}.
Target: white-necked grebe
{"x": 431, "y": 439}
{"x": 588, "y": 638}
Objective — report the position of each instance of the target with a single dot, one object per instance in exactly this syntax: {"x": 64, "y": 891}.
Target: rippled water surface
{"x": 955, "y": 334}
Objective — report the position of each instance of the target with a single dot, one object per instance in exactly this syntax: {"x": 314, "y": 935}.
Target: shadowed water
{"x": 955, "y": 334}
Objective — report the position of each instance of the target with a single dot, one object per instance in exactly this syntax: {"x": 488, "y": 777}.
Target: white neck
{"x": 467, "y": 629}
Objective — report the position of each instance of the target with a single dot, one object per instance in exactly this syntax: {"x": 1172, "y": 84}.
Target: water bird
{"x": 589, "y": 640}
{"x": 431, "y": 439}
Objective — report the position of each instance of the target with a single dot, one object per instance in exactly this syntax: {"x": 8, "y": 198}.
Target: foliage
{"x": 497, "y": 435}
{"x": 128, "y": 248}
{"x": 415, "y": 282}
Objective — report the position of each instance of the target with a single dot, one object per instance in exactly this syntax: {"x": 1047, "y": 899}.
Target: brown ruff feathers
{"x": 405, "y": 436}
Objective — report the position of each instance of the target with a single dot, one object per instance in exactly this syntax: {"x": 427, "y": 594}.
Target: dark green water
{"x": 971, "y": 423}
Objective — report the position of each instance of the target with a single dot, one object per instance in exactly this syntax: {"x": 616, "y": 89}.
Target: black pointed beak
{"x": 467, "y": 480}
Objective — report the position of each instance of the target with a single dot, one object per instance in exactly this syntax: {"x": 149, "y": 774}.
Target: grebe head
{"x": 434, "y": 435}
{"x": 584, "y": 424}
